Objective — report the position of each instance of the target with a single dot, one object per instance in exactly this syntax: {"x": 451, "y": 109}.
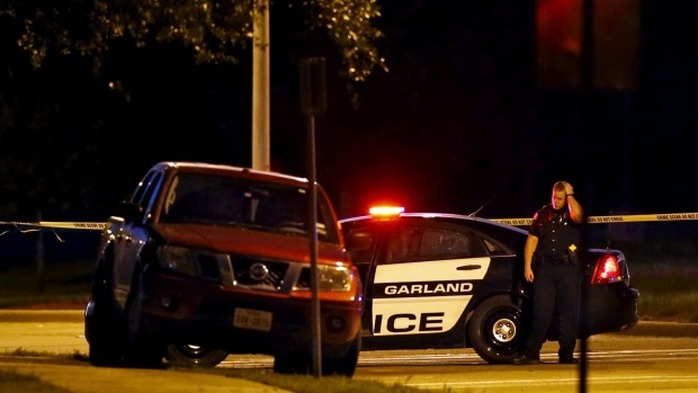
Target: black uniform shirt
{"x": 555, "y": 231}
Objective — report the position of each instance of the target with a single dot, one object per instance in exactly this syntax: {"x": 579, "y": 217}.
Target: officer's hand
{"x": 528, "y": 274}
{"x": 568, "y": 188}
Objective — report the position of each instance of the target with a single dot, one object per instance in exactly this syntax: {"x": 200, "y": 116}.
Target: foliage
{"x": 65, "y": 285}
{"x": 69, "y": 86}
{"x": 211, "y": 29}
{"x": 667, "y": 291}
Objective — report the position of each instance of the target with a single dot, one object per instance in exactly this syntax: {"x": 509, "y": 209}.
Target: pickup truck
{"x": 203, "y": 261}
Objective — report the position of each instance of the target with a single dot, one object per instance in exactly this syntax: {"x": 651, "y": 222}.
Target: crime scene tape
{"x": 613, "y": 219}
{"x": 98, "y": 226}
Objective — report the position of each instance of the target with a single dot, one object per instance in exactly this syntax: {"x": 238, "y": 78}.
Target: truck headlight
{"x": 330, "y": 278}
{"x": 178, "y": 259}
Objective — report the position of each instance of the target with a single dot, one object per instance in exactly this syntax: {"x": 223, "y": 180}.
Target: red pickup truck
{"x": 204, "y": 260}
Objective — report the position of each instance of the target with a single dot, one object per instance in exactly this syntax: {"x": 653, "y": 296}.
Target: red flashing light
{"x": 386, "y": 211}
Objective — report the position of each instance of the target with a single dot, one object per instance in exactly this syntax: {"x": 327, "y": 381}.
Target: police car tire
{"x": 485, "y": 329}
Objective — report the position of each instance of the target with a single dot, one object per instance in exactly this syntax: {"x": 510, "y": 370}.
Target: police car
{"x": 436, "y": 280}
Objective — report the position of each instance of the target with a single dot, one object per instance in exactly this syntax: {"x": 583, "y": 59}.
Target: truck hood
{"x": 249, "y": 242}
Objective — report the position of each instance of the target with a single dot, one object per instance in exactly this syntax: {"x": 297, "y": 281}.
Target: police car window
{"x": 403, "y": 244}
{"x": 432, "y": 243}
{"x": 360, "y": 245}
{"x": 494, "y": 248}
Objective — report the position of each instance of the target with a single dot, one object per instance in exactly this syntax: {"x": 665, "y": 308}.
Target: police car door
{"x": 426, "y": 280}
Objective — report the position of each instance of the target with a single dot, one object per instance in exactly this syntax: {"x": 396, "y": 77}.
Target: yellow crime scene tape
{"x": 95, "y": 226}
{"x": 98, "y": 226}
{"x": 613, "y": 219}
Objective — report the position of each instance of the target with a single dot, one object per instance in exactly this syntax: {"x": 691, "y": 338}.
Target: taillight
{"x": 607, "y": 270}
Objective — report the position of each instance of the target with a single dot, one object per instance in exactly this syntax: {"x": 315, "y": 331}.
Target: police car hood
{"x": 244, "y": 241}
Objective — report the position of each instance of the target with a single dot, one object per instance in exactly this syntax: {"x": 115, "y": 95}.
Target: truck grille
{"x": 248, "y": 272}
{"x": 258, "y": 273}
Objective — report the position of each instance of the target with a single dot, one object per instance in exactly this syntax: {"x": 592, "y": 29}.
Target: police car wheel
{"x": 495, "y": 329}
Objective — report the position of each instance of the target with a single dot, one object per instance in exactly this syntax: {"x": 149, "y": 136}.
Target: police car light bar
{"x": 386, "y": 211}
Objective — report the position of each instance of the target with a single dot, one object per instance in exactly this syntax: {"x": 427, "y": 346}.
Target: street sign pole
{"x": 313, "y": 102}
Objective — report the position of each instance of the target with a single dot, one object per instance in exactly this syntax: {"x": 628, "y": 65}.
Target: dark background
{"x": 459, "y": 122}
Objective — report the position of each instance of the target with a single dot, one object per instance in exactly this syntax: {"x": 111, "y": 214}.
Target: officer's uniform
{"x": 558, "y": 279}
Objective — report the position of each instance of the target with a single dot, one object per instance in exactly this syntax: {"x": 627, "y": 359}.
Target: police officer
{"x": 550, "y": 257}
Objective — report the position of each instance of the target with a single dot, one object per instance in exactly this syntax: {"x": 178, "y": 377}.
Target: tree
{"x": 211, "y": 29}
{"x": 54, "y": 106}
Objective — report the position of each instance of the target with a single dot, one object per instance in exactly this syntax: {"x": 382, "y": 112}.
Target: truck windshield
{"x": 221, "y": 200}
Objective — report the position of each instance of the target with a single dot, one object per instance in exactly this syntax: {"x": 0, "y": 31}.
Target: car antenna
{"x": 482, "y": 206}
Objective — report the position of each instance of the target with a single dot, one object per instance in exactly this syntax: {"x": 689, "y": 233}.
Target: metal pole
{"x": 40, "y": 258}
{"x": 313, "y": 101}
{"x": 587, "y": 86}
{"x": 260, "y": 87}
{"x": 315, "y": 310}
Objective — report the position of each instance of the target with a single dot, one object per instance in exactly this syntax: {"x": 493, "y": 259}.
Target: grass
{"x": 63, "y": 284}
{"x": 667, "y": 292}
{"x": 15, "y": 382}
{"x": 11, "y": 382}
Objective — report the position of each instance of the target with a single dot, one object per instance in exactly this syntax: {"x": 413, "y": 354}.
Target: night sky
{"x": 459, "y": 121}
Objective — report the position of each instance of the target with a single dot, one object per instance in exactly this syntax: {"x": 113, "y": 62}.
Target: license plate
{"x": 246, "y": 318}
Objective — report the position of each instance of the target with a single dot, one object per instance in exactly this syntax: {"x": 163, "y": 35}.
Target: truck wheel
{"x": 102, "y": 331}
{"x": 345, "y": 365}
{"x": 143, "y": 349}
{"x": 105, "y": 328}
{"x": 293, "y": 364}
{"x": 188, "y": 355}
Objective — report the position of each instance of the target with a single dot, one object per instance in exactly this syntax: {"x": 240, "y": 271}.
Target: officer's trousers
{"x": 556, "y": 294}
